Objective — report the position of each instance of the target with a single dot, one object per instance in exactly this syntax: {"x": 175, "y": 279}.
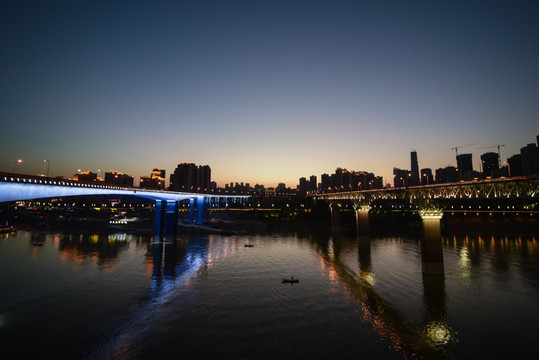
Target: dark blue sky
{"x": 264, "y": 91}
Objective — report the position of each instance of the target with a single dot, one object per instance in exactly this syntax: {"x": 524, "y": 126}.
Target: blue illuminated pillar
{"x": 191, "y": 210}
{"x": 200, "y": 210}
{"x": 207, "y": 208}
{"x": 171, "y": 222}
{"x": 160, "y": 210}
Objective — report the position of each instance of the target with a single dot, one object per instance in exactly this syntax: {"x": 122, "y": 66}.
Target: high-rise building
{"x": 86, "y": 176}
{"x": 490, "y": 162}
{"x": 514, "y": 165}
{"x": 155, "y": 181}
{"x": 117, "y": 178}
{"x": 414, "y": 174}
{"x": 530, "y": 159}
{"x": 401, "y": 177}
{"x": 465, "y": 166}
{"x": 187, "y": 177}
{"x": 203, "y": 179}
{"x": 313, "y": 185}
{"x": 426, "y": 177}
{"x": 445, "y": 175}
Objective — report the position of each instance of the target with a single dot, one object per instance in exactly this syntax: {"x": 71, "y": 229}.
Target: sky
{"x": 264, "y": 92}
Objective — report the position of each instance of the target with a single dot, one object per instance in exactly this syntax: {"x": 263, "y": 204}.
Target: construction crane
{"x": 499, "y": 156}
{"x": 458, "y": 147}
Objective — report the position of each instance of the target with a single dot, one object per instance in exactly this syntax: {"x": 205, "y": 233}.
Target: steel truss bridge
{"x": 432, "y": 200}
{"x": 15, "y": 187}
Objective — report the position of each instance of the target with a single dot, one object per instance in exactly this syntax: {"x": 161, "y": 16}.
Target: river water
{"x": 128, "y": 296}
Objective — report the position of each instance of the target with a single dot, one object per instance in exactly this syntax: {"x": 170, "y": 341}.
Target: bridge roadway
{"x": 15, "y": 187}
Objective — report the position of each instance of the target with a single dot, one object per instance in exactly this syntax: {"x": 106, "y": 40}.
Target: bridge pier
{"x": 362, "y": 222}
{"x": 166, "y": 218}
{"x": 335, "y": 217}
{"x": 432, "y": 258}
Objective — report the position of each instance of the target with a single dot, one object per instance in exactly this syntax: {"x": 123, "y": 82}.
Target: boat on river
{"x": 290, "y": 280}
{"x": 248, "y": 245}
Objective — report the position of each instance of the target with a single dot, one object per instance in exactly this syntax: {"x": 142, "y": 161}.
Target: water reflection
{"x": 428, "y": 340}
{"x": 173, "y": 260}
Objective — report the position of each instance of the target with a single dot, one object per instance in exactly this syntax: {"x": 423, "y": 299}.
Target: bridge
{"x": 15, "y": 187}
{"x": 431, "y": 201}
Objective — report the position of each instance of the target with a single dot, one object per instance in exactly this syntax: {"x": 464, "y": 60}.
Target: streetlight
{"x": 18, "y": 161}
{"x": 48, "y": 166}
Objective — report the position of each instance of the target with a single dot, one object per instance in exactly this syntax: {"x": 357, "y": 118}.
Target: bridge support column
{"x": 160, "y": 210}
{"x": 362, "y": 223}
{"x": 166, "y": 218}
{"x": 200, "y": 210}
{"x": 191, "y": 210}
{"x": 335, "y": 217}
{"x": 171, "y": 218}
{"x": 432, "y": 257}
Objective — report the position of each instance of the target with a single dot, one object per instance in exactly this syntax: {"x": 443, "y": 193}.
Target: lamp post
{"x": 18, "y": 161}
{"x": 48, "y": 166}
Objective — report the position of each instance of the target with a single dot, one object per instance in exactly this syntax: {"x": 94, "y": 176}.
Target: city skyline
{"x": 265, "y": 93}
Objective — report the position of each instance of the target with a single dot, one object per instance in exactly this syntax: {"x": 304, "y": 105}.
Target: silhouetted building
{"x": 515, "y": 165}
{"x": 313, "y": 185}
{"x": 401, "y": 177}
{"x": 465, "y": 167}
{"x": 302, "y": 187}
{"x": 203, "y": 179}
{"x": 155, "y": 181}
{"x": 414, "y": 173}
{"x": 325, "y": 182}
{"x": 426, "y": 177}
{"x": 118, "y": 178}
{"x": 86, "y": 176}
{"x": 184, "y": 178}
{"x": 490, "y": 162}
{"x": 445, "y": 175}
{"x": 530, "y": 159}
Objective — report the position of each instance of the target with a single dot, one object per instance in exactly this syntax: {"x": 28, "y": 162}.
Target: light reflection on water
{"x": 128, "y": 296}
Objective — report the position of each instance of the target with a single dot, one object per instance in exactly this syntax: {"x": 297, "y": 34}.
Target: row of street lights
{"x": 19, "y": 161}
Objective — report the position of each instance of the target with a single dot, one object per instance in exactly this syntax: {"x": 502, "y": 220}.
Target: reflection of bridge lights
{"x": 464, "y": 263}
{"x": 368, "y": 277}
{"x": 438, "y": 332}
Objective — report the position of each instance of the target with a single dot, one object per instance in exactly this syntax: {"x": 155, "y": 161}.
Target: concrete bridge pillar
{"x": 191, "y": 210}
{"x": 171, "y": 221}
{"x": 166, "y": 218}
{"x": 200, "y": 210}
{"x": 362, "y": 222}
{"x": 335, "y": 217}
{"x": 160, "y": 211}
{"x": 431, "y": 247}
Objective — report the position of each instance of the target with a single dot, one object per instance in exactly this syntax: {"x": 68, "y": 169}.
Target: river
{"x": 127, "y": 296}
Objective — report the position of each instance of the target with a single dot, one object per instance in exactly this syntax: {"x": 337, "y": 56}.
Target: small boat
{"x": 290, "y": 280}
{"x": 248, "y": 245}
